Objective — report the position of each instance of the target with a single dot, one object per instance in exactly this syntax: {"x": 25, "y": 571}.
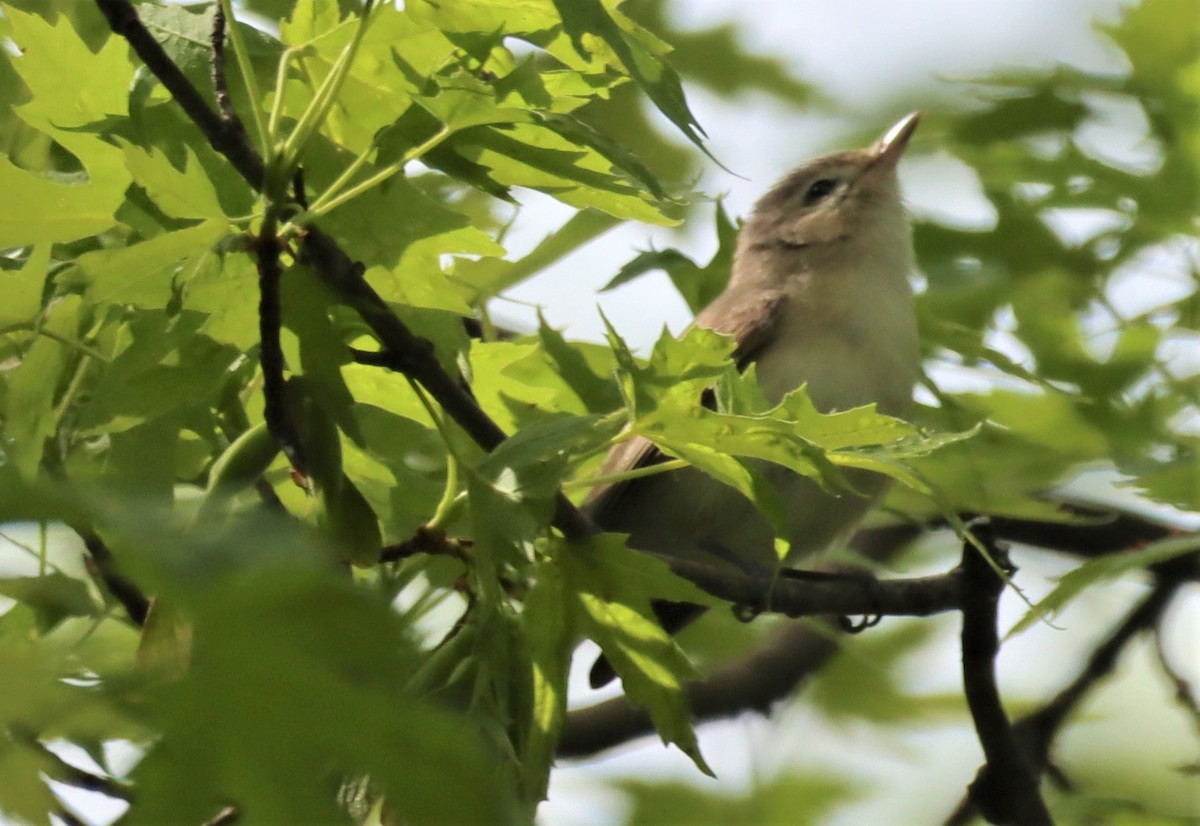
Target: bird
{"x": 819, "y": 295}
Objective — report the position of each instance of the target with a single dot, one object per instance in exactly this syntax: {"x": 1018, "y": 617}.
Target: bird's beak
{"x": 891, "y": 146}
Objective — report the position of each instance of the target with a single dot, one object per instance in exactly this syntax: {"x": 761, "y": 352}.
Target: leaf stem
{"x": 247, "y": 70}
{"x": 626, "y": 475}
{"x": 444, "y": 510}
{"x": 85, "y": 349}
{"x": 277, "y": 104}
{"x": 318, "y": 108}
{"x": 330, "y": 200}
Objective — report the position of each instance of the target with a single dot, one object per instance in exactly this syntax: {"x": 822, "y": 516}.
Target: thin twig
{"x": 777, "y": 668}
{"x": 64, "y": 772}
{"x": 102, "y": 565}
{"x": 425, "y": 541}
{"x": 1185, "y": 696}
{"x": 219, "y": 80}
{"x": 123, "y": 19}
{"x": 226, "y": 816}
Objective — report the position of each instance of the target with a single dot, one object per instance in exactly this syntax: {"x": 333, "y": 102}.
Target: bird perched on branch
{"x": 819, "y": 295}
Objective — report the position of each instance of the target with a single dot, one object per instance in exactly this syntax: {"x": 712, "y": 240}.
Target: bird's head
{"x": 835, "y": 200}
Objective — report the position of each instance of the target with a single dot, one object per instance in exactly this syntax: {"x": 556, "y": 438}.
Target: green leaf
{"x": 38, "y": 701}
{"x": 22, "y": 289}
{"x": 597, "y": 392}
{"x": 126, "y": 470}
{"x": 49, "y": 211}
{"x": 520, "y": 383}
{"x": 291, "y": 644}
{"x": 1103, "y": 569}
{"x": 353, "y": 525}
{"x": 492, "y": 276}
{"x": 378, "y": 88}
{"x": 582, "y": 134}
{"x": 186, "y": 193}
{"x": 164, "y": 367}
{"x": 795, "y": 799}
{"x": 223, "y": 288}
{"x": 53, "y": 597}
{"x": 52, "y": 63}
{"x": 145, "y": 274}
{"x": 31, "y": 416}
{"x": 318, "y": 350}
{"x": 401, "y": 234}
{"x": 613, "y": 586}
{"x": 533, "y": 156}
{"x": 185, "y": 33}
{"x": 511, "y": 16}
{"x": 639, "y": 52}
{"x": 407, "y": 492}
{"x": 861, "y": 683}
{"x": 70, "y": 85}
{"x": 1175, "y": 483}
{"x": 551, "y": 629}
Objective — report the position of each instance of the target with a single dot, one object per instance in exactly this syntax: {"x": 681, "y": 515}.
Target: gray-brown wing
{"x": 751, "y": 319}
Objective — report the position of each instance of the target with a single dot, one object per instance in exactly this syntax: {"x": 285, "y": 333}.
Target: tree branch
{"x": 100, "y": 563}
{"x": 781, "y": 663}
{"x": 278, "y": 417}
{"x": 1036, "y": 732}
{"x": 219, "y": 78}
{"x": 826, "y": 593}
{"x": 221, "y": 135}
{"x": 771, "y": 672}
{"x": 1006, "y": 788}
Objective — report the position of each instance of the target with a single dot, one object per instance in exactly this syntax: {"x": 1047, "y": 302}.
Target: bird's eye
{"x": 818, "y": 190}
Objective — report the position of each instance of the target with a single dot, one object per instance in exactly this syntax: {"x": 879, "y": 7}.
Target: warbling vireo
{"x": 819, "y": 296}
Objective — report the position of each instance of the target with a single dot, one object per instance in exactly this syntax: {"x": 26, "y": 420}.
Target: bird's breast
{"x": 859, "y": 350}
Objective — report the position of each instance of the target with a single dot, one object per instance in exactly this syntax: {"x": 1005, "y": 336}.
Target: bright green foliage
{"x": 281, "y": 659}
{"x": 800, "y": 799}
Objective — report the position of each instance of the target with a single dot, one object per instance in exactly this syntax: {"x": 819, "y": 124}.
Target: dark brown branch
{"x": 100, "y": 563}
{"x": 1185, "y": 696}
{"x": 1045, "y": 723}
{"x": 219, "y": 79}
{"x": 1104, "y": 530}
{"x": 770, "y": 673}
{"x": 777, "y": 668}
{"x": 278, "y": 416}
{"x": 1037, "y": 731}
{"x": 1006, "y": 789}
{"x": 826, "y": 593}
{"x": 774, "y": 670}
{"x": 424, "y": 541}
{"x": 224, "y": 137}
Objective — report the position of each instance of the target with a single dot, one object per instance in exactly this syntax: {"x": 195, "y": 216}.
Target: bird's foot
{"x": 869, "y": 583}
